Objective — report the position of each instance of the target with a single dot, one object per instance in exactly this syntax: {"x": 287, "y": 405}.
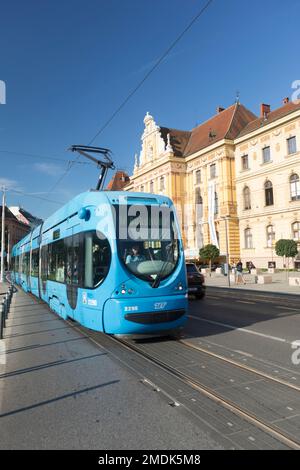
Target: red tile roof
{"x": 118, "y": 181}
{"x": 278, "y": 113}
{"x": 178, "y": 139}
{"x": 225, "y": 125}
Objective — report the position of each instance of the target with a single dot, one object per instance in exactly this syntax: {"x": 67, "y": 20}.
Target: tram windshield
{"x": 147, "y": 239}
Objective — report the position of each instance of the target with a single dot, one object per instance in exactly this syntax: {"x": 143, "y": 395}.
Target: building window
{"x": 266, "y": 154}
{"x": 270, "y": 235}
{"x": 199, "y": 204}
{"x": 269, "y": 193}
{"x": 162, "y": 183}
{"x": 296, "y": 230}
{"x": 291, "y": 144}
{"x": 151, "y": 187}
{"x": 295, "y": 187}
{"x": 248, "y": 238}
{"x": 247, "y": 200}
{"x": 245, "y": 162}
{"x": 216, "y": 203}
{"x": 213, "y": 172}
{"x": 198, "y": 176}
{"x": 142, "y": 188}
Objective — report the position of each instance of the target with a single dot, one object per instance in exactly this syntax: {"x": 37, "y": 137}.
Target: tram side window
{"x": 76, "y": 260}
{"x": 44, "y": 262}
{"x": 25, "y": 263}
{"x": 57, "y": 261}
{"x": 35, "y": 262}
{"x": 73, "y": 252}
{"x": 97, "y": 258}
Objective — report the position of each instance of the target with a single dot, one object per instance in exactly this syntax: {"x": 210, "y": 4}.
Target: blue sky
{"x": 68, "y": 64}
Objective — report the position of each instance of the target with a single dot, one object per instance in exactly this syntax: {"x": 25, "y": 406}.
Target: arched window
{"x": 269, "y": 193}
{"x": 270, "y": 235}
{"x": 248, "y": 238}
{"x": 151, "y": 187}
{"x": 216, "y": 203}
{"x": 247, "y": 199}
{"x": 296, "y": 230}
{"x": 295, "y": 187}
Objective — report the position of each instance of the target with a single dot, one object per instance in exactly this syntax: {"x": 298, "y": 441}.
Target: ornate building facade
{"x": 268, "y": 183}
{"x": 234, "y": 179}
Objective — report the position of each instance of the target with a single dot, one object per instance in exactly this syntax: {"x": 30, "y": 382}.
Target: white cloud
{"x": 48, "y": 168}
{"x": 8, "y": 183}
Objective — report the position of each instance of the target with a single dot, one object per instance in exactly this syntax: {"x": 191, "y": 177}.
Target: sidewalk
{"x": 58, "y": 390}
{"x": 279, "y": 284}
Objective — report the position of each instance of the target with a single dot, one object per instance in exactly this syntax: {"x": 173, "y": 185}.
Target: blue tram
{"x": 112, "y": 261}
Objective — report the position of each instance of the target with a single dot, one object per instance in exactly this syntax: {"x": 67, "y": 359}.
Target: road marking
{"x": 244, "y": 353}
{"x": 244, "y": 330}
{"x": 245, "y": 302}
{"x": 282, "y": 307}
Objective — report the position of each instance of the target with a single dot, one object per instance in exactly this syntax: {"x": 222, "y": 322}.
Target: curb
{"x": 254, "y": 291}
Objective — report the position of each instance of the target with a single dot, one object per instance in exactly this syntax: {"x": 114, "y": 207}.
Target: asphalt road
{"x": 62, "y": 391}
{"x": 258, "y": 329}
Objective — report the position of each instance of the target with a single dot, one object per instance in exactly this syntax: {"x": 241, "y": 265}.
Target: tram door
{"x": 28, "y": 264}
{"x": 73, "y": 270}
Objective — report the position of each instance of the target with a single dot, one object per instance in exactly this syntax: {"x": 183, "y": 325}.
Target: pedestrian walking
{"x": 233, "y": 269}
{"x": 239, "y": 273}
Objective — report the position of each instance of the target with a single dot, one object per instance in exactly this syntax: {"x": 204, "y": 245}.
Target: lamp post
{"x": 225, "y": 218}
{"x": 2, "y": 236}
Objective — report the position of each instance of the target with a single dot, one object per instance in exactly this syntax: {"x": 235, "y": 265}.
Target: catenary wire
{"x": 138, "y": 86}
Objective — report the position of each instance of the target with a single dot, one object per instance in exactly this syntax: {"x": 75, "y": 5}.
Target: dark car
{"x": 196, "y": 281}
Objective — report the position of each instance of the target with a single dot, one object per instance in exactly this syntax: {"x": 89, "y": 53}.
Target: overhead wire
{"x": 138, "y": 86}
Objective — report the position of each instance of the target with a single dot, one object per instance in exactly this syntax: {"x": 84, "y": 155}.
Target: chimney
{"x": 285, "y": 100}
{"x": 265, "y": 109}
{"x": 220, "y": 109}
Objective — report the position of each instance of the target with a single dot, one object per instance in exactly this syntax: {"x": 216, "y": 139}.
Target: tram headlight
{"x": 125, "y": 290}
{"x": 179, "y": 287}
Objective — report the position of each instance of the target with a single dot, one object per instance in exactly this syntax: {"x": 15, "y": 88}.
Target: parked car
{"x": 196, "y": 281}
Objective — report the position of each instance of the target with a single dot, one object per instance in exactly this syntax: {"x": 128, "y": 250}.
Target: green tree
{"x": 286, "y": 248}
{"x": 209, "y": 253}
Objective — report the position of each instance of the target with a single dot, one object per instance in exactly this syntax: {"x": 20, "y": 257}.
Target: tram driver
{"x": 135, "y": 257}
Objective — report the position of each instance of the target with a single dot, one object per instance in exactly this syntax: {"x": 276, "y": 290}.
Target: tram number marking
{"x": 160, "y": 305}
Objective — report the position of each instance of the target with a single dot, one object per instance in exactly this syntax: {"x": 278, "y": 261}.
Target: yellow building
{"x": 196, "y": 169}
{"x": 267, "y": 182}
{"x": 235, "y": 179}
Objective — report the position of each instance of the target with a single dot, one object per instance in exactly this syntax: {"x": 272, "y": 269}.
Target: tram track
{"x": 241, "y": 366}
{"x": 269, "y": 427}
{"x": 230, "y": 405}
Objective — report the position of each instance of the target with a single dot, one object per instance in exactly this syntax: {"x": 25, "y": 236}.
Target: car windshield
{"x": 191, "y": 268}
{"x": 147, "y": 240}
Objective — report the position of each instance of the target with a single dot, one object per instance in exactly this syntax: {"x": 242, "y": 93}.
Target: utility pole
{"x": 2, "y": 235}
{"x": 227, "y": 249}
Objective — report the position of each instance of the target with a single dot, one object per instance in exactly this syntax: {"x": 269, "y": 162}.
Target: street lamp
{"x": 2, "y": 236}
{"x": 225, "y": 218}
